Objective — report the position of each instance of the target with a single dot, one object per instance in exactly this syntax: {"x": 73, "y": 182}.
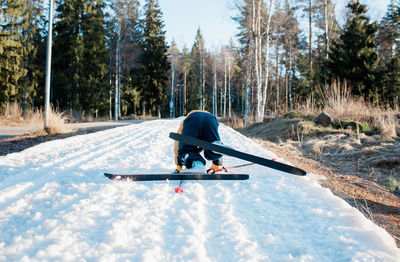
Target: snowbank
{"x": 56, "y": 205}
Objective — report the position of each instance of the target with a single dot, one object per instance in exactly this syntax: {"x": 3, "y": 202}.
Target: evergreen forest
{"x": 111, "y": 58}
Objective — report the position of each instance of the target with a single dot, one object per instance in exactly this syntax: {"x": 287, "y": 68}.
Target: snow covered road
{"x": 56, "y": 205}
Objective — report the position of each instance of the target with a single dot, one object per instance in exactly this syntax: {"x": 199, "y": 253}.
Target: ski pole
{"x": 179, "y": 189}
{"x": 230, "y": 167}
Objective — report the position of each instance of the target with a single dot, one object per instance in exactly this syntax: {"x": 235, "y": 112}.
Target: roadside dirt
{"x": 356, "y": 168}
{"x": 21, "y": 142}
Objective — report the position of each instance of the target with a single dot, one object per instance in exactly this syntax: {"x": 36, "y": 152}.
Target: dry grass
{"x": 13, "y": 110}
{"x": 335, "y": 101}
{"x": 14, "y": 116}
{"x": 234, "y": 121}
{"x": 57, "y": 122}
{"x": 387, "y": 122}
{"x": 340, "y": 105}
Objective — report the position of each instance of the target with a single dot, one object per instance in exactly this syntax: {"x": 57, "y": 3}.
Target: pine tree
{"x": 353, "y": 56}
{"x": 309, "y": 8}
{"x": 80, "y": 57}
{"x": 93, "y": 88}
{"x": 391, "y": 81}
{"x": 327, "y": 24}
{"x": 389, "y": 33}
{"x": 12, "y": 68}
{"x": 154, "y": 61}
{"x": 34, "y": 60}
{"x": 67, "y": 54}
{"x": 290, "y": 40}
{"x": 130, "y": 55}
{"x": 390, "y": 52}
{"x": 195, "y": 82}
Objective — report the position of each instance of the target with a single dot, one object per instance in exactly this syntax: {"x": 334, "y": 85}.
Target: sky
{"x": 182, "y": 18}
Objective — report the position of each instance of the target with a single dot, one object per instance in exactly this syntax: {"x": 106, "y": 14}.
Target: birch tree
{"x": 186, "y": 66}
{"x": 290, "y": 40}
{"x": 309, "y": 10}
{"x": 125, "y": 47}
{"x": 256, "y": 32}
{"x": 326, "y": 21}
{"x": 249, "y": 20}
{"x": 267, "y": 49}
{"x": 214, "y": 89}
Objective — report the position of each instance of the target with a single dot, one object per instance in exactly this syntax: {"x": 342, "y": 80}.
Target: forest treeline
{"x": 111, "y": 58}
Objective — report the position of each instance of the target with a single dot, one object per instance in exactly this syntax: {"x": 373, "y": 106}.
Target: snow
{"x": 56, "y": 205}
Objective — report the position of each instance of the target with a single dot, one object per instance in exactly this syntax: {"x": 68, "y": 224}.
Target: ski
{"x": 234, "y": 153}
{"x": 177, "y": 176}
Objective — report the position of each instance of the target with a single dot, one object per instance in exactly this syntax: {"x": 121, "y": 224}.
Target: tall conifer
{"x": 196, "y": 71}
{"x": 80, "y": 56}
{"x": 353, "y": 56}
{"x": 32, "y": 85}
{"x": 67, "y": 54}
{"x": 155, "y": 65}
{"x": 11, "y": 50}
{"x": 93, "y": 88}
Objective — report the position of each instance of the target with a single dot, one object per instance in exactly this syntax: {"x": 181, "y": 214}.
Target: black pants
{"x": 203, "y": 126}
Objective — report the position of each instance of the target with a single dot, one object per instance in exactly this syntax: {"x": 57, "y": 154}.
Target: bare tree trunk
{"x": 201, "y": 78}
{"x": 224, "y": 86}
{"x": 229, "y": 90}
{"x": 184, "y": 92}
{"x": 116, "y": 93}
{"x": 265, "y": 91}
{"x": 326, "y": 38}
{"x": 119, "y": 82}
{"x": 247, "y": 92}
{"x": 326, "y": 30}
{"x": 220, "y": 97}
{"x": 110, "y": 104}
{"x": 286, "y": 88}
{"x": 310, "y": 52}
{"x": 221, "y": 102}
{"x": 171, "y": 104}
{"x": 277, "y": 79}
{"x": 110, "y": 98}
{"x": 252, "y": 52}
{"x": 214, "y": 92}
{"x": 144, "y": 108}
{"x": 257, "y": 71}
{"x": 180, "y": 100}
{"x": 290, "y": 76}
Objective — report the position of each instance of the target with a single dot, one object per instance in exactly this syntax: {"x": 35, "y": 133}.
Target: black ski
{"x": 177, "y": 176}
{"x": 232, "y": 152}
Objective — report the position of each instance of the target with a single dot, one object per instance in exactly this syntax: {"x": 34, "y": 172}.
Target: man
{"x": 204, "y": 126}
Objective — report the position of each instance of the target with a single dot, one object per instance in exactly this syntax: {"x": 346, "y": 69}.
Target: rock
{"x": 323, "y": 119}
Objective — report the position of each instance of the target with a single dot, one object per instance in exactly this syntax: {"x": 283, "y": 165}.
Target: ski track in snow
{"x": 56, "y": 205}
